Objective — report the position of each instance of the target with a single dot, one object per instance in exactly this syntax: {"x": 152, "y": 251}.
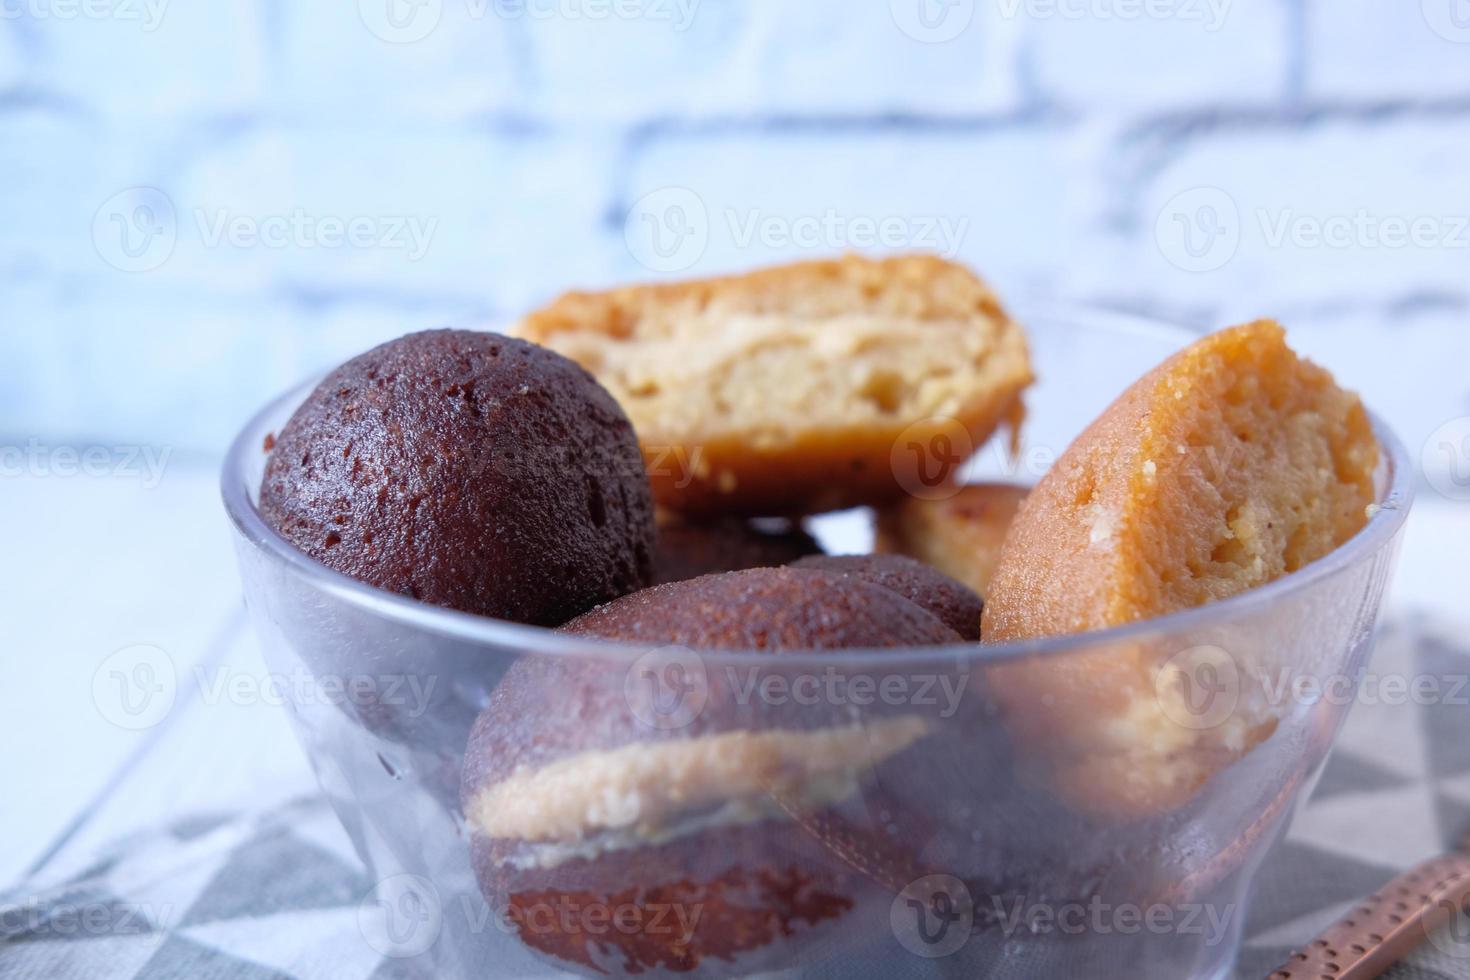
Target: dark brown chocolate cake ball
{"x": 766, "y": 609}
{"x": 747, "y": 812}
{"x": 688, "y": 549}
{"x": 955, "y": 603}
{"x": 468, "y": 470}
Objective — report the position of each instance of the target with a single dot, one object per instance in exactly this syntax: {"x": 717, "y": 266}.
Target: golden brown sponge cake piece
{"x": 959, "y": 533}
{"x": 1233, "y": 463}
{"x": 785, "y": 390}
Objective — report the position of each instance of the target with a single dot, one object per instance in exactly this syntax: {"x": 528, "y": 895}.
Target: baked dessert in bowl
{"x": 878, "y": 804}
{"x": 959, "y": 530}
{"x": 689, "y": 547}
{"x": 752, "y": 394}
{"x": 730, "y": 804}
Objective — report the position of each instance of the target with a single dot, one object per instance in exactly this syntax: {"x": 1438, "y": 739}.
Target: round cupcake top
{"x": 467, "y": 470}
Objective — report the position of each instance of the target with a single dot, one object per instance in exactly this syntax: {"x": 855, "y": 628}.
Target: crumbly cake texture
{"x": 784, "y": 390}
{"x": 960, "y": 534}
{"x": 644, "y": 788}
{"x": 1233, "y": 463}
{"x": 951, "y": 601}
{"x": 468, "y": 470}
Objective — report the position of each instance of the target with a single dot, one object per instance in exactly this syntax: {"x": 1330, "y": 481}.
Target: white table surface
{"x": 103, "y": 564}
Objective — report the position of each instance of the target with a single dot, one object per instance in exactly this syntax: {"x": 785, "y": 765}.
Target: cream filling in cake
{"x": 649, "y": 793}
{"x": 703, "y": 373}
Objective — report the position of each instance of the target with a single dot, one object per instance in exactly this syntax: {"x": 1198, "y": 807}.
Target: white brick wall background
{"x": 204, "y": 202}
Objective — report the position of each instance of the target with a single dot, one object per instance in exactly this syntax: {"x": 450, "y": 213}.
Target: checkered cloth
{"x": 257, "y": 896}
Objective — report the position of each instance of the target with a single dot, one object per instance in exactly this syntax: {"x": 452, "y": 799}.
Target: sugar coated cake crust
{"x": 1233, "y": 463}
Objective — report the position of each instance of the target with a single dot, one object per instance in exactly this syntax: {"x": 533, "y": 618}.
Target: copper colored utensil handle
{"x": 1387, "y": 926}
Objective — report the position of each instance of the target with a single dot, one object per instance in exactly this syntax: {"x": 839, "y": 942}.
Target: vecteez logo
{"x": 926, "y": 456}
{"x": 402, "y": 916}
{"x": 933, "y": 917}
{"x": 136, "y": 229}
{"x": 410, "y": 21}
{"x": 1198, "y": 688}
{"x": 667, "y": 688}
{"x": 1362, "y": 229}
{"x": 1198, "y": 230}
{"x": 135, "y": 687}
{"x": 1445, "y": 459}
{"x": 671, "y": 229}
{"x": 932, "y": 21}
{"x": 401, "y": 21}
{"x": 298, "y": 228}
{"x": 667, "y": 230}
{"x": 1202, "y": 229}
{"x": 679, "y": 14}
{"x": 1450, "y": 19}
{"x": 1210, "y": 14}
{"x": 147, "y": 14}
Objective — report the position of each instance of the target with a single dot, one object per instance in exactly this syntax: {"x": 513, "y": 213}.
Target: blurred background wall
{"x": 205, "y": 202}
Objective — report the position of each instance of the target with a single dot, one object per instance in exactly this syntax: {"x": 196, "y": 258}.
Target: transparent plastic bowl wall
{"x": 949, "y": 854}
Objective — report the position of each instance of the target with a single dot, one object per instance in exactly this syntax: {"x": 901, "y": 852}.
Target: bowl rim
{"x": 1381, "y": 529}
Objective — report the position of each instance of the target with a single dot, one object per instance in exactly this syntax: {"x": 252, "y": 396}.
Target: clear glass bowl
{"x": 942, "y": 854}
